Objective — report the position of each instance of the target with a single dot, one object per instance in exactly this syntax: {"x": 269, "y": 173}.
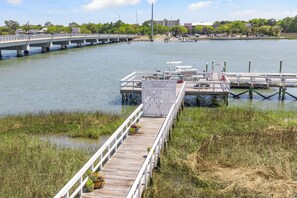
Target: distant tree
{"x": 48, "y": 24}
{"x": 73, "y": 24}
{"x": 12, "y": 26}
{"x": 198, "y": 29}
{"x": 178, "y": 30}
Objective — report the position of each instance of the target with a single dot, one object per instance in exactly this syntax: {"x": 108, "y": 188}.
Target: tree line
{"x": 269, "y": 27}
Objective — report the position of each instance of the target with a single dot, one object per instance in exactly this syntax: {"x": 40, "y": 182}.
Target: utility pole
{"x": 152, "y": 23}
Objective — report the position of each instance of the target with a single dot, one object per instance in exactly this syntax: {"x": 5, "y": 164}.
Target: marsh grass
{"x": 30, "y": 167}
{"x": 230, "y": 152}
{"x": 75, "y": 124}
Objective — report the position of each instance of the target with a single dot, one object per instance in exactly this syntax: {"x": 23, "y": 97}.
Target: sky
{"x": 131, "y": 11}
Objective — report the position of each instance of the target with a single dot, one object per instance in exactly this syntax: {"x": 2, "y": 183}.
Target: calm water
{"x": 87, "y": 79}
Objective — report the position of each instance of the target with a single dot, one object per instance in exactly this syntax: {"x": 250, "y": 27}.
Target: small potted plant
{"x": 98, "y": 179}
{"x": 90, "y": 185}
{"x": 134, "y": 129}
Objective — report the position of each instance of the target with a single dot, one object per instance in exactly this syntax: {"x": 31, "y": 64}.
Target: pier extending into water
{"x": 23, "y": 43}
{"x": 124, "y": 159}
{"x": 127, "y": 161}
{"x": 216, "y": 84}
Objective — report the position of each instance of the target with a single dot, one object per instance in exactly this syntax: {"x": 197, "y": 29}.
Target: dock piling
{"x": 225, "y": 66}
{"x": 250, "y": 64}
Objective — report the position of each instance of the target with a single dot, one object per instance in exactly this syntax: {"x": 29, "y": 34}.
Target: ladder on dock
{"x": 124, "y": 160}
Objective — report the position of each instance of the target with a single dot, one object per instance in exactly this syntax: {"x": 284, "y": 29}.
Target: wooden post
{"x": 212, "y": 69}
{"x": 283, "y": 93}
{"x": 251, "y": 92}
{"x": 225, "y": 66}
{"x": 250, "y": 64}
{"x": 280, "y": 71}
{"x": 206, "y": 67}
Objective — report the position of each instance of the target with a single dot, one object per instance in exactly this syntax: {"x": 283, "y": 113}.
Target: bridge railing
{"x": 146, "y": 171}
{"x": 14, "y": 38}
{"x": 76, "y": 185}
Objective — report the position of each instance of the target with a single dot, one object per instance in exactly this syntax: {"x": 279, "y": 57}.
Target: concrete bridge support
{"x": 19, "y": 53}
{"x": 63, "y": 47}
{"x": 43, "y": 49}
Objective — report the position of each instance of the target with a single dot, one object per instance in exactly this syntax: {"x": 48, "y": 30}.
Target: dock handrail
{"x": 103, "y": 155}
{"x": 268, "y": 79}
{"x": 155, "y": 151}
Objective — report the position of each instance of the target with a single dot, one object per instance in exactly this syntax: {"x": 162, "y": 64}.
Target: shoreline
{"x": 196, "y": 39}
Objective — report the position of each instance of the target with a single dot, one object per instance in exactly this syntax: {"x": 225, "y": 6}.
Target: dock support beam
{"x": 280, "y": 71}
{"x": 250, "y": 64}
{"x": 251, "y": 90}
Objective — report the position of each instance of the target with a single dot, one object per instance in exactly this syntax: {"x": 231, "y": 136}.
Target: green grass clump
{"x": 76, "y": 124}
{"x": 30, "y": 167}
{"x": 229, "y": 152}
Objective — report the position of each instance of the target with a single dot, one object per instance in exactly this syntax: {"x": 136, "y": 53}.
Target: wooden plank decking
{"x": 121, "y": 170}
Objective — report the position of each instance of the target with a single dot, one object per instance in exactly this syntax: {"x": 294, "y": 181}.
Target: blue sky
{"x": 81, "y": 11}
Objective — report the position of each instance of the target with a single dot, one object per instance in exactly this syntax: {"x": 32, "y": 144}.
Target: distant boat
{"x": 177, "y": 69}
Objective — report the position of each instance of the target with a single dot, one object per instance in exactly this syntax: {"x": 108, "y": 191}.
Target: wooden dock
{"x": 122, "y": 169}
{"x": 124, "y": 159}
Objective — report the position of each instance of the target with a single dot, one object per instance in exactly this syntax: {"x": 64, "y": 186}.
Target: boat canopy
{"x": 184, "y": 67}
{"x": 174, "y": 62}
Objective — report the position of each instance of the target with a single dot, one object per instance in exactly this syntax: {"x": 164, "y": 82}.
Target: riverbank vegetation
{"x": 229, "y": 152}
{"x": 30, "y": 167}
{"x": 258, "y": 26}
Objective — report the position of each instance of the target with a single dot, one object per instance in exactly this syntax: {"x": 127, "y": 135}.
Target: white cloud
{"x": 100, "y": 4}
{"x": 151, "y": 1}
{"x": 199, "y": 5}
{"x": 251, "y": 13}
{"x": 244, "y": 13}
{"x": 15, "y": 2}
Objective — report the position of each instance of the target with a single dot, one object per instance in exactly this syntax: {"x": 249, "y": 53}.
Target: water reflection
{"x": 63, "y": 141}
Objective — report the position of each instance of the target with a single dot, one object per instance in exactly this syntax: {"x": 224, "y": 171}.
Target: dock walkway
{"x": 122, "y": 169}
{"x": 124, "y": 159}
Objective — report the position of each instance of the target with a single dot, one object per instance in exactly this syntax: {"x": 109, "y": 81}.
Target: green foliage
{"x": 178, "y": 30}
{"x": 254, "y": 26}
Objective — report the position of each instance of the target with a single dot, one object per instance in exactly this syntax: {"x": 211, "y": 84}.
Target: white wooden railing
{"x": 141, "y": 181}
{"x": 15, "y": 38}
{"x": 268, "y": 79}
{"x": 133, "y": 80}
{"x": 75, "y": 186}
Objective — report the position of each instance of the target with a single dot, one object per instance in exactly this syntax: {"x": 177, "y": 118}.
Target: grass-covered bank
{"x": 30, "y": 167}
{"x": 230, "y": 152}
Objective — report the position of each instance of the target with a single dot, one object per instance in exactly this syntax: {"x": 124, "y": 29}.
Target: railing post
{"x": 139, "y": 189}
{"x": 108, "y": 151}
{"x": 81, "y": 190}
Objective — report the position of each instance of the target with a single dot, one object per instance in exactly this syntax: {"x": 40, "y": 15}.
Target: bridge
{"x": 23, "y": 43}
